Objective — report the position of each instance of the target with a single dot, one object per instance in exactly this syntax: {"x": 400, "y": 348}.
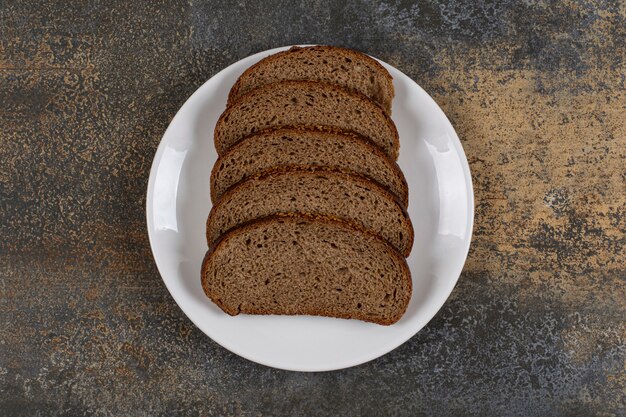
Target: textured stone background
{"x": 535, "y": 325}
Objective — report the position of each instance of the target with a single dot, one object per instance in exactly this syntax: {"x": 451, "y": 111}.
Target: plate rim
{"x": 400, "y": 341}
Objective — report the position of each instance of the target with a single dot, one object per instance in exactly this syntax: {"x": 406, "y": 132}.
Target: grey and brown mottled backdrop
{"x": 535, "y": 325}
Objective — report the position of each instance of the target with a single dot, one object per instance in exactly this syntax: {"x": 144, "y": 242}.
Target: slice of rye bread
{"x": 307, "y": 266}
{"x": 285, "y": 148}
{"x": 346, "y": 68}
{"x": 305, "y": 103}
{"x": 335, "y": 194}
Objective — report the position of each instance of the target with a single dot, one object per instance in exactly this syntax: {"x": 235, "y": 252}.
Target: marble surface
{"x": 535, "y": 325}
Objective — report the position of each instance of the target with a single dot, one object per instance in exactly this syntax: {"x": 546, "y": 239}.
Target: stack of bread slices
{"x": 309, "y": 206}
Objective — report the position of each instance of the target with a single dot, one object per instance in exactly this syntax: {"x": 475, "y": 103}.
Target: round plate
{"x": 441, "y": 207}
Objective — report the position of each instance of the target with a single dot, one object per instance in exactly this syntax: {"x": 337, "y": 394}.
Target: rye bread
{"x": 288, "y": 148}
{"x": 335, "y": 194}
{"x": 305, "y": 104}
{"x": 307, "y": 266}
{"x": 346, "y": 68}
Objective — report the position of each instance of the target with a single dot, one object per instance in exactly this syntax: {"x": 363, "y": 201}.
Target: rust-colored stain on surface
{"x": 535, "y": 325}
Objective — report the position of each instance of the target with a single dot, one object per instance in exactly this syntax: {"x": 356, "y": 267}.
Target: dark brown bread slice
{"x": 284, "y": 148}
{"x": 305, "y": 103}
{"x": 340, "y": 66}
{"x": 306, "y": 266}
{"x": 346, "y": 197}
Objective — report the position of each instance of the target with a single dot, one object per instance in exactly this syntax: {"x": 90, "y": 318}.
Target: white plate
{"x": 441, "y": 207}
